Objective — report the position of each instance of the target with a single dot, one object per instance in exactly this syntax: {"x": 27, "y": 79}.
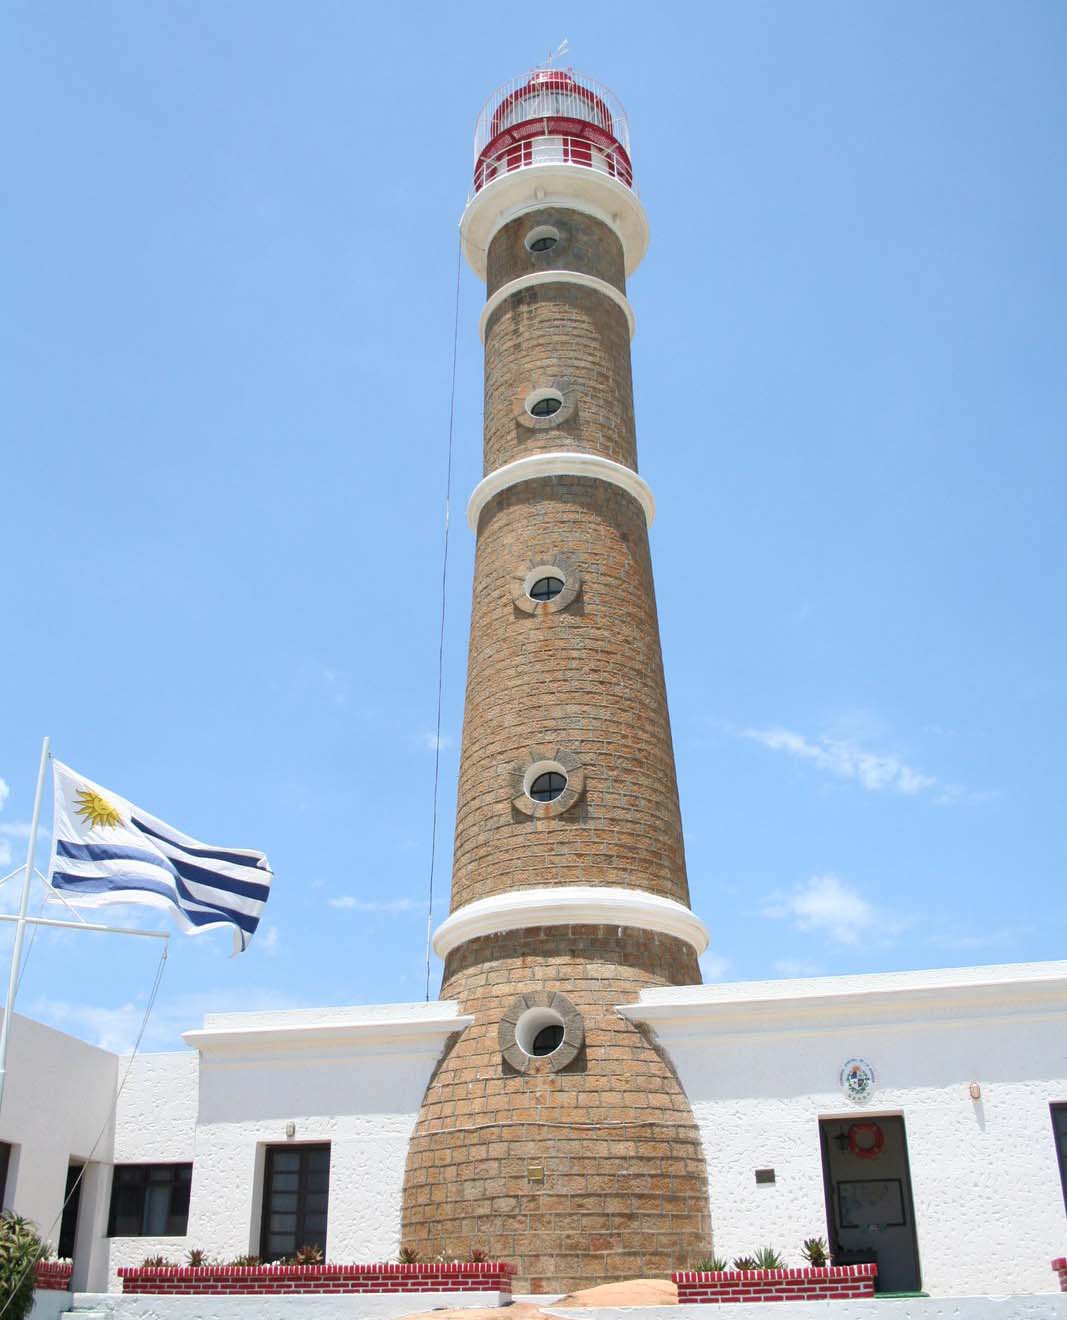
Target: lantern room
{"x": 552, "y": 116}
{"x": 552, "y": 138}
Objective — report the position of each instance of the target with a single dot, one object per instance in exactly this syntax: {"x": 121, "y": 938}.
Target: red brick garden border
{"x": 54, "y": 1275}
{"x": 1060, "y": 1266}
{"x": 776, "y": 1285}
{"x": 491, "y": 1276}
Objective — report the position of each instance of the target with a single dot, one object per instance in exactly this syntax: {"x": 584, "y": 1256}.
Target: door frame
{"x": 861, "y": 1116}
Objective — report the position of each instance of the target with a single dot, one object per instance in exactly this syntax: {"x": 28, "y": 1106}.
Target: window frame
{"x": 150, "y": 1174}
{"x": 553, "y": 793}
{"x": 1058, "y": 1114}
{"x": 302, "y": 1192}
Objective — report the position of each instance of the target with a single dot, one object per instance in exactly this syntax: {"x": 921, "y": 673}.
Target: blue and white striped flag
{"x": 106, "y": 850}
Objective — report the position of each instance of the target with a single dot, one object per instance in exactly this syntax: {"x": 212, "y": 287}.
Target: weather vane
{"x": 553, "y": 55}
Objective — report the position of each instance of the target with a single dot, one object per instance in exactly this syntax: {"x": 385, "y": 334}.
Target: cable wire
{"x": 441, "y": 632}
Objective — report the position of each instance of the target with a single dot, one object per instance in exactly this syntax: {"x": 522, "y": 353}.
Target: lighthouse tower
{"x": 554, "y": 1132}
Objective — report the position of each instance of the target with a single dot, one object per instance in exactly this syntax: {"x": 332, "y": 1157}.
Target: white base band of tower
{"x": 564, "y": 464}
{"x": 567, "y": 905}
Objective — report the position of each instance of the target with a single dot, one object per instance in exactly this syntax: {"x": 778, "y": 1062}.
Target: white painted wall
{"x": 1047, "y": 1307}
{"x": 155, "y": 1124}
{"x": 760, "y": 1062}
{"x": 353, "y": 1077}
{"x": 57, "y": 1108}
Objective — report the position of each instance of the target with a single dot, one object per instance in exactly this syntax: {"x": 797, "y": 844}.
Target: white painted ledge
{"x": 372, "y": 1026}
{"x": 939, "y": 994}
{"x": 563, "y": 464}
{"x": 570, "y": 905}
{"x": 532, "y": 187}
{"x": 539, "y": 277}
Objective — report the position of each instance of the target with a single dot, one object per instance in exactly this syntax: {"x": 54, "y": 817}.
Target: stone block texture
{"x": 588, "y": 678}
{"x": 580, "y": 1176}
{"x": 593, "y": 1170}
{"x": 563, "y": 335}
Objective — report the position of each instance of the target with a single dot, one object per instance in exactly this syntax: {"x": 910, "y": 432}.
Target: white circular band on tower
{"x": 555, "y": 277}
{"x": 570, "y": 905}
{"x": 575, "y": 187}
{"x": 567, "y": 464}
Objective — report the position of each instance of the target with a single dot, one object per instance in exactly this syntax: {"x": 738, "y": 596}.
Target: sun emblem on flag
{"x": 96, "y": 809}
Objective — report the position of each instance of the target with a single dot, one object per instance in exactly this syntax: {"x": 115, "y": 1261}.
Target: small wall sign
{"x": 857, "y": 1079}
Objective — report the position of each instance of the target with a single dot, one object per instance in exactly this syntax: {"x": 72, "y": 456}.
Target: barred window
{"x": 150, "y": 1200}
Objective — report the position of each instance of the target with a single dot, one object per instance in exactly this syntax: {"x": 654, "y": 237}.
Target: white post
{"x": 20, "y": 929}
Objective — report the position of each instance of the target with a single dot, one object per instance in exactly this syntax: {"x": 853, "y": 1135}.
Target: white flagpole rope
{"x": 20, "y": 928}
{"x": 441, "y": 634}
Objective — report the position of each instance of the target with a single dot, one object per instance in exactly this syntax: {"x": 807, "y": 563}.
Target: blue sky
{"x": 229, "y": 244}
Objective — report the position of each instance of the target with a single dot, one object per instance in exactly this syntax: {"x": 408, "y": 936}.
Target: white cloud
{"x": 845, "y": 759}
{"x": 19, "y": 829}
{"x": 5, "y": 792}
{"x": 432, "y": 743}
{"x": 798, "y": 967}
{"x": 390, "y": 905}
{"x": 116, "y": 1028}
{"x": 827, "y": 905}
{"x": 714, "y": 966}
{"x": 268, "y": 941}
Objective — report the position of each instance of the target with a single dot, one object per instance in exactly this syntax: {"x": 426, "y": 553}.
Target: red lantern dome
{"x": 552, "y": 117}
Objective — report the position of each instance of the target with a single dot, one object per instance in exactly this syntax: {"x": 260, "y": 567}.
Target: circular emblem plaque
{"x": 857, "y": 1079}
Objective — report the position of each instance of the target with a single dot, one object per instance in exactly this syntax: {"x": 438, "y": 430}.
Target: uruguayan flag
{"x": 106, "y": 850}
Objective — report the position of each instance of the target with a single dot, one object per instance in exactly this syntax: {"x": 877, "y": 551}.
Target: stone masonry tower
{"x": 554, "y": 1132}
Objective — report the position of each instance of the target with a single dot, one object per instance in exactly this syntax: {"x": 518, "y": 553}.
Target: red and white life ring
{"x": 867, "y": 1150}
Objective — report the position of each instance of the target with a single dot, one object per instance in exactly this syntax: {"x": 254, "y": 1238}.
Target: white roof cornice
{"x": 375, "y": 1027}
{"x": 941, "y": 994}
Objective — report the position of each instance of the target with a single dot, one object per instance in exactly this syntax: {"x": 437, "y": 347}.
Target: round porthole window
{"x": 542, "y": 239}
{"x": 541, "y": 1025}
{"x": 548, "y": 787}
{"x": 547, "y": 1040}
{"x": 539, "y": 1032}
{"x": 546, "y": 588}
{"x": 544, "y": 404}
{"x": 548, "y": 784}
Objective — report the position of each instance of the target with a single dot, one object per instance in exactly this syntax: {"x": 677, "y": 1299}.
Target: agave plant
{"x": 408, "y": 1256}
{"x": 309, "y": 1254}
{"x": 711, "y": 1265}
{"x": 21, "y": 1247}
{"x": 196, "y": 1259}
{"x": 246, "y": 1262}
{"x": 157, "y": 1263}
{"x": 815, "y": 1252}
{"x": 745, "y": 1263}
{"x": 769, "y": 1259}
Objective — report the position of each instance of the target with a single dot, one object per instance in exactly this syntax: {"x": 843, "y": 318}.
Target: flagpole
{"x": 20, "y": 928}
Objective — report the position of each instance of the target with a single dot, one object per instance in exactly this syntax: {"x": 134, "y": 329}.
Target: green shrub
{"x": 711, "y": 1265}
{"x": 769, "y": 1259}
{"x": 21, "y": 1247}
{"x": 815, "y": 1252}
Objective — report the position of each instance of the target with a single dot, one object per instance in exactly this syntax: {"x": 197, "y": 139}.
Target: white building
{"x": 970, "y": 1096}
